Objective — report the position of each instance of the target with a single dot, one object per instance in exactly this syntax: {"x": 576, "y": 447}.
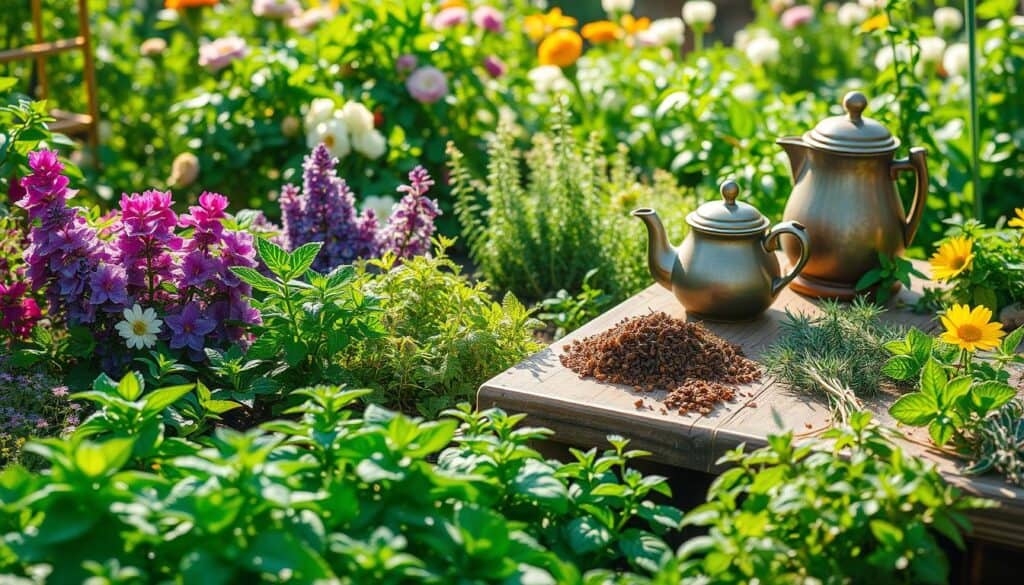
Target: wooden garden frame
{"x": 69, "y": 123}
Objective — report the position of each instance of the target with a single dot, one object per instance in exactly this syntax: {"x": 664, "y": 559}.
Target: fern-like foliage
{"x": 542, "y": 231}
{"x": 999, "y": 443}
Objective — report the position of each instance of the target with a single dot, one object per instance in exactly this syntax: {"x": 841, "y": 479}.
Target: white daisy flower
{"x": 140, "y": 327}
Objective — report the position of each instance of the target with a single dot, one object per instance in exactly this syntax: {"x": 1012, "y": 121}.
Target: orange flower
{"x": 602, "y": 31}
{"x": 635, "y": 25}
{"x": 452, "y": 4}
{"x": 183, "y": 4}
{"x": 562, "y": 48}
{"x": 538, "y": 26}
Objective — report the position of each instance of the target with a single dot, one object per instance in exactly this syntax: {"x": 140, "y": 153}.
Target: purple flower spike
{"x": 189, "y": 328}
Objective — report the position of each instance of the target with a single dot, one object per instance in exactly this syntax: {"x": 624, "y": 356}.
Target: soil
{"x": 657, "y": 351}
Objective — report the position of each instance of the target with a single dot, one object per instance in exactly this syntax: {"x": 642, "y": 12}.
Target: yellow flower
{"x": 538, "y": 26}
{"x": 953, "y": 257}
{"x": 635, "y": 25}
{"x": 970, "y": 329}
{"x": 875, "y": 23}
{"x": 452, "y": 4}
{"x": 602, "y": 31}
{"x": 562, "y": 48}
{"x": 1019, "y": 220}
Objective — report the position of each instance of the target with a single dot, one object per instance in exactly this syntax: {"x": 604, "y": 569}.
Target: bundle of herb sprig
{"x": 843, "y": 346}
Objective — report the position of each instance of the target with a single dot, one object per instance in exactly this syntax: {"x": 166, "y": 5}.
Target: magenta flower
{"x": 59, "y": 391}
{"x": 18, "y": 313}
{"x": 406, "y": 63}
{"x": 427, "y": 85}
{"x": 495, "y": 66}
{"x": 411, "y": 224}
{"x": 108, "y": 284}
{"x": 489, "y": 18}
{"x": 189, "y": 328}
{"x": 148, "y": 214}
{"x": 796, "y": 16}
{"x": 450, "y": 18}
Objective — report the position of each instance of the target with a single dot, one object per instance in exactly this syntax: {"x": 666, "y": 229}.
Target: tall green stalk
{"x": 972, "y": 45}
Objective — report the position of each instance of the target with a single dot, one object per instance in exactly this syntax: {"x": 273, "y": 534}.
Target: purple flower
{"x": 450, "y": 18}
{"x": 197, "y": 268}
{"x": 206, "y": 219}
{"x": 148, "y": 214}
{"x": 495, "y": 66}
{"x": 489, "y": 18}
{"x": 411, "y": 225}
{"x": 108, "y": 284}
{"x": 427, "y": 85}
{"x": 218, "y": 54}
{"x": 406, "y": 63}
{"x": 796, "y": 16}
{"x": 189, "y": 328}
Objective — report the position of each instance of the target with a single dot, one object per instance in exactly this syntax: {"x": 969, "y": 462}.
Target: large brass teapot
{"x": 844, "y": 192}
{"x": 726, "y": 268}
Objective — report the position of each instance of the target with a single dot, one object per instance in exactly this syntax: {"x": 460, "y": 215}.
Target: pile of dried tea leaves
{"x": 656, "y": 350}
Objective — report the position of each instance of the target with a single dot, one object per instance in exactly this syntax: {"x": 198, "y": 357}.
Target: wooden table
{"x": 582, "y": 412}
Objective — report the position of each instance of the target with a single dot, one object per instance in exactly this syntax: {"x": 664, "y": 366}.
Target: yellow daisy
{"x": 970, "y": 329}
{"x": 1019, "y": 220}
{"x": 953, "y": 257}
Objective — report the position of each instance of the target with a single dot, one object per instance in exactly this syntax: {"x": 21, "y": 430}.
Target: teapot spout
{"x": 797, "y": 152}
{"x": 661, "y": 257}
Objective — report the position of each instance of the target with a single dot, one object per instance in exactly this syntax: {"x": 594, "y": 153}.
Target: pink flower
{"x": 495, "y": 66}
{"x": 797, "y": 16}
{"x": 489, "y": 18}
{"x": 427, "y": 84}
{"x": 276, "y": 8}
{"x": 220, "y": 53}
{"x": 450, "y": 18}
{"x": 406, "y": 63}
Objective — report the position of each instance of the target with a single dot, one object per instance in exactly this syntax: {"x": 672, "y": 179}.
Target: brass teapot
{"x": 844, "y": 192}
{"x": 726, "y": 268}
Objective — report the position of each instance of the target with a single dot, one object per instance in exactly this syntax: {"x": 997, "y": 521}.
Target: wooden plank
{"x": 582, "y": 412}
{"x": 42, "y": 49}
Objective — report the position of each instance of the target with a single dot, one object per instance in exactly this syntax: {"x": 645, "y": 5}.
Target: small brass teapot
{"x": 844, "y": 192}
{"x": 726, "y": 268}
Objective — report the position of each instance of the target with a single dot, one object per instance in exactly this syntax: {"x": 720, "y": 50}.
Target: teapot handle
{"x": 771, "y": 243}
{"x": 918, "y": 163}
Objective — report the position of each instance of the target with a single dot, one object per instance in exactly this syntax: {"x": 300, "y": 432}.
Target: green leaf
{"x": 643, "y": 549}
{"x": 1012, "y": 341}
{"x": 933, "y": 378}
{"x": 871, "y": 278}
{"x": 920, "y": 345}
{"x": 915, "y": 409}
{"x": 990, "y": 395}
{"x": 221, "y": 406}
{"x": 887, "y": 533}
{"x": 587, "y": 535}
{"x": 164, "y": 397}
{"x": 253, "y": 278}
{"x": 953, "y": 390}
{"x": 276, "y": 259}
{"x": 130, "y": 386}
{"x": 536, "y": 480}
{"x": 7, "y": 83}
{"x": 900, "y": 367}
{"x": 303, "y": 256}
{"x": 96, "y": 459}
{"x": 940, "y": 432}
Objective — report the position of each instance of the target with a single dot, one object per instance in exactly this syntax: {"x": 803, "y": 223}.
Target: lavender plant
{"x": 32, "y": 405}
{"x": 324, "y": 211}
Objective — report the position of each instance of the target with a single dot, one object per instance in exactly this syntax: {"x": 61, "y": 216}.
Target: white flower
{"x": 884, "y": 56}
{"x": 932, "y": 49}
{"x": 667, "y": 31}
{"x": 850, "y": 14}
{"x": 763, "y": 50}
{"x": 699, "y": 12}
{"x": 333, "y": 134}
{"x": 617, "y": 5}
{"x": 745, "y": 92}
{"x": 957, "y": 59}
{"x": 370, "y": 144}
{"x": 548, "y": 79}
{"x": 948, "y": 19}
{"x": 358, "y": 118}
{"x": 153, "y": 47}
{"x": 381, "y": 205}
{"x": 869, "y": 4}
{"x": 320, "y": 110}
{"x": 139, "y": 328}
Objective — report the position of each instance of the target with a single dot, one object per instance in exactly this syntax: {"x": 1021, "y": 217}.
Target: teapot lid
{"x": 852, "y": 133}
{"x": 728, "y": 217}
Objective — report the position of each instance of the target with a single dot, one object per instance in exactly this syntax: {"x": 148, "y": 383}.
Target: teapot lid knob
{"x": 854, "y": 104}
{"x": 730, "y": 191}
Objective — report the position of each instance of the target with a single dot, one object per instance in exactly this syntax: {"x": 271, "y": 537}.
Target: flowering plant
{"x": 118, "y": 274}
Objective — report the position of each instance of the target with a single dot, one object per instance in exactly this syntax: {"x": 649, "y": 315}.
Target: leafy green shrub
{"x": 325, "y": 497}
{"x": 859, "y": 511}
{"x": 538, "y": 234}
{"x": 443, "y": 335}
